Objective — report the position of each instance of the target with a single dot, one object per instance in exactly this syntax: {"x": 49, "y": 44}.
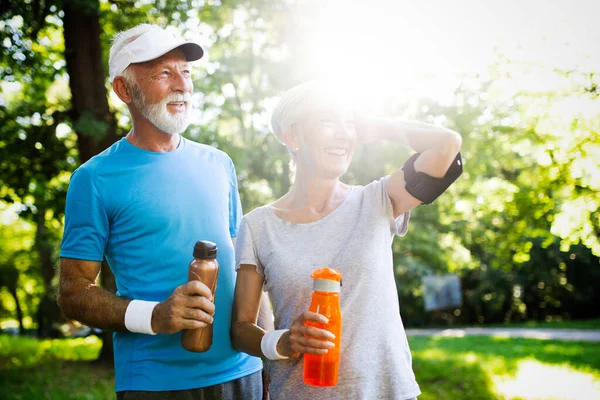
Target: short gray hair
{"x": 298, "y": 102}
{"x": 122, "y": 39}
{"x": 129, "y": 77}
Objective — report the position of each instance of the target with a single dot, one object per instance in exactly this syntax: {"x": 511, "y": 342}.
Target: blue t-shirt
{"x": 144, "y": 211}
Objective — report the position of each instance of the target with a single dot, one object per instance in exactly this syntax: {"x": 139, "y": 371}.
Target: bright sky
{"x": 419, "y": 47}
{"x": 388, "y": 45}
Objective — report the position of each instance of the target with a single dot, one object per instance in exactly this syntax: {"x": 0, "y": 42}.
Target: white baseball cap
{"x": 149, "y": 46}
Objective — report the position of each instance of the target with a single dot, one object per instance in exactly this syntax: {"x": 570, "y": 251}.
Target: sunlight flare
{"x": 535, "y": 380}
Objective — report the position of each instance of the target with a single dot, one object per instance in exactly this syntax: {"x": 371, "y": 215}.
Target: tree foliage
{"x": 520, "y": 227}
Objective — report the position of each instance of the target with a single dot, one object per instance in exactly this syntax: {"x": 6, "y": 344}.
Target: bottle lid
{"x": 326, "y": 280}
{"x": 205, "y": 250}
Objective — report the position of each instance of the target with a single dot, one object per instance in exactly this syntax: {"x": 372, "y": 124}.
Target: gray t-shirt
{"x": 355, "y": 239}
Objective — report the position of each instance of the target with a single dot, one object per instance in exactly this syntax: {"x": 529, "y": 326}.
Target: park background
{"x": 518, "y": 79}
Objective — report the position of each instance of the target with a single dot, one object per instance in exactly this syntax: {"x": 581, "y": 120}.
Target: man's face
{"x": 162, "y": 91}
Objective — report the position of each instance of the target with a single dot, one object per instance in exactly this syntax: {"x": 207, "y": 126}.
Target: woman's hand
{"x": 304, "y": 338}
{"x": 366, "y": 128}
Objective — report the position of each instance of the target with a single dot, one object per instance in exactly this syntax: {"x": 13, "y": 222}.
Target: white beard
{"x": 158, "y": 115}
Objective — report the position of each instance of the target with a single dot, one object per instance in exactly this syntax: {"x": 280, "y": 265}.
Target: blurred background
{"x": 513, "y": 247}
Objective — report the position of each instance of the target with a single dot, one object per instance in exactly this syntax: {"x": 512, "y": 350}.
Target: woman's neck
{"x": 314, "y": 194}
{"x": 311, "y": 200}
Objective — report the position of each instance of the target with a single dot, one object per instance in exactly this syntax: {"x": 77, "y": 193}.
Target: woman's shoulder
{"x": 375, "y": 187}
{"x": 258, "y": 215}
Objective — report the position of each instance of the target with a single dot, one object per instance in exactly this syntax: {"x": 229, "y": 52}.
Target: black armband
{"x": 425, "y": 187}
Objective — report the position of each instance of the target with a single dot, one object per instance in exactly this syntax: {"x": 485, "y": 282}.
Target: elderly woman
{"x": 324, "y": 222}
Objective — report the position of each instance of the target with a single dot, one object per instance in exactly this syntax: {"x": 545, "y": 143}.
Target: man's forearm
{"x": 93, "y": 306}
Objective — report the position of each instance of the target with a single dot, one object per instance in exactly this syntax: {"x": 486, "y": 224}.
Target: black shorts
{"x": 249, "y": 387}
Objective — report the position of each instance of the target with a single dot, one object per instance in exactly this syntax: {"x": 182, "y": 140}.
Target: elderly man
{"x": 142, "y": 204}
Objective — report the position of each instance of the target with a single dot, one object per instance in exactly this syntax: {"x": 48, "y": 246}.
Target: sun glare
{"x": 405, "y": 50}
{"x": 535, "y": 380}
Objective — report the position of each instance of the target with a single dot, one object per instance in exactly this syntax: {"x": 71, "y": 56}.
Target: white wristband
{"x": 138, "y": 316}
{"x": 268, "y": 344}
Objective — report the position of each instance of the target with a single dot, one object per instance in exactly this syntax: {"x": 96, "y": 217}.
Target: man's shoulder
{"x": 202, "y": 148}
{"x": 106, "y": 157}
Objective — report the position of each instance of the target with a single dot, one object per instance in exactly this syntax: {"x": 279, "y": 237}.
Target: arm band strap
{"x": 425, "y": 187}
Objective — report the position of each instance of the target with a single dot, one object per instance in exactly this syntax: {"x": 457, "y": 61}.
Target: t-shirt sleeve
{"x": 86, "y": 222}
{"x": 398, "y": 226}
{"x": 235, "y": 205}
{"x": 245, "y": 249}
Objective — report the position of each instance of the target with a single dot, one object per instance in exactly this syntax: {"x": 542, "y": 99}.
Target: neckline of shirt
{"x": 325, "y": 218}
{"x": 131, "y": 147}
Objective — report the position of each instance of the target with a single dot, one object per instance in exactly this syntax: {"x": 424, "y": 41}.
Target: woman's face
{"x": 326, "y": 142}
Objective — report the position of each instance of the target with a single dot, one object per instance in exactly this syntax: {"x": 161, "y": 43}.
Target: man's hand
{"x": 188, "y": 307}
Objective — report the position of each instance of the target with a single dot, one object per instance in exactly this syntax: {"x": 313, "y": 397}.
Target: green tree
{"x": 56, "y": 52}
{"x": 526, "y": 203}
{"x": 16, "y": 240}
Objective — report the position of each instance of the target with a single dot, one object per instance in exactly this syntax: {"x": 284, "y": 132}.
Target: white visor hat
{"x": 149, "y": 46}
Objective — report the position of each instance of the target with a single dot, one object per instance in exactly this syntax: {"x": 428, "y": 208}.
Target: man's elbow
{"x": 65, "y": 302}
{"x": 62, "y": 303}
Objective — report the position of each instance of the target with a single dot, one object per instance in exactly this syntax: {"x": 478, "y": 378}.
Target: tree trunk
{"x": 13, "y": 291}
{"x": 83, "y": 56}
{"x": 48, "y": 311}
{"x": 44, "y": 248}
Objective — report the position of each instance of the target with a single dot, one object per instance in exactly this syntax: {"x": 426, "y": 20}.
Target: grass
{"x": 588, "y": 324}
{"x": 53, "y": 369}
{"x": 479, "y": 367}
{"x": 472, "y": 367}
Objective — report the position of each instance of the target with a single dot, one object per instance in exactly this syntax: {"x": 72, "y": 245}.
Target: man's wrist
{"x": 138, "y": 316}
{"x": 153, "y": 321}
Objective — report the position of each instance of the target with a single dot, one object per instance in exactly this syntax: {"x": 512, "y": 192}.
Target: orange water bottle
{"x": 322, "y": 370}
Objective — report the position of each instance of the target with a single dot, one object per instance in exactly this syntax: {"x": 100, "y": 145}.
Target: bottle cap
{"x": 205, "y": 250}
{"x": 326, "y": 280}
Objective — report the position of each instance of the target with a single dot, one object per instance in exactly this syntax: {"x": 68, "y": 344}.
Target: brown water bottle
{"x": 204, "y": 268}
